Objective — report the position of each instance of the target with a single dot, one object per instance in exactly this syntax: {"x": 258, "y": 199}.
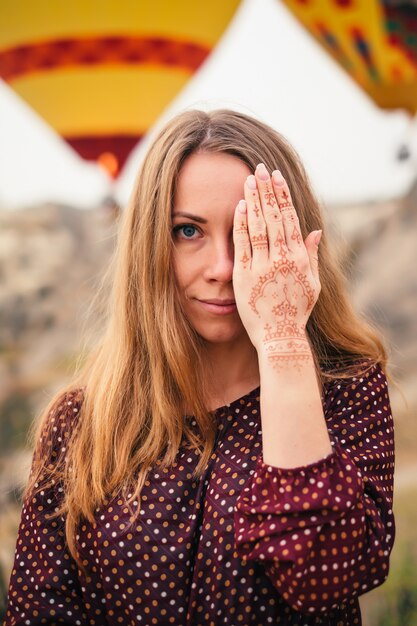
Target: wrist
{"x": 285, "y": 353}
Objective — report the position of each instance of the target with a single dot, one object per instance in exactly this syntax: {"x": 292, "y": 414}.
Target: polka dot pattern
{"x": 247, "y": 543}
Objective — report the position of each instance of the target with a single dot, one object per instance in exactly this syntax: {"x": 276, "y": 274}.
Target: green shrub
{"x": 15, "y": 419}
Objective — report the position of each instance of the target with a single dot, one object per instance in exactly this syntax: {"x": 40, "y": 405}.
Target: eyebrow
{"x": 196, "y": 218}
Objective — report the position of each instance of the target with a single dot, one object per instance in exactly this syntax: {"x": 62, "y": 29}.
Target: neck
{"x": 234, "y": 370}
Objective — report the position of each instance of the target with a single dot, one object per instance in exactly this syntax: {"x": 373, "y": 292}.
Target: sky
{"x": 265, "y": 65}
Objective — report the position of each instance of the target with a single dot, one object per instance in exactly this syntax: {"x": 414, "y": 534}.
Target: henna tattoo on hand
{"x": 289, "y": 272}
{"x": 270, "y": 198}
{"x": 285, "y": 309}
{"x": 282, "y": 353}
{"x": 256, "y": 208}
{"x": 296, "y": 235}
{"x": 285, "y": 341}
{"x": 260, "y": 241}
{"x": 245, "y": 260}
{"x": 286, "y": 204}
{"x": 242, "y": 230}
{"x": 279, "y": 242}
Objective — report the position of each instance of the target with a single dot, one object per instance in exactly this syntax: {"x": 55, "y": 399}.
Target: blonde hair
{"x": 149, "y": 363}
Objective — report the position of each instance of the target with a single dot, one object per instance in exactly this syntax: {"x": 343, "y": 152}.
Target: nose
{"x": 220, "y": 261}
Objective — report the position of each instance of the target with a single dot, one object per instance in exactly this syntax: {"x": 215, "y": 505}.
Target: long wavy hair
{"x": 149, "y": 363}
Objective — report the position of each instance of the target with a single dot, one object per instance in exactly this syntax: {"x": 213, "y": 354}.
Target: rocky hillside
{"x": 51, "y": 261}
{"x": 379, "y": 246}
{"x": 381, "y": 251}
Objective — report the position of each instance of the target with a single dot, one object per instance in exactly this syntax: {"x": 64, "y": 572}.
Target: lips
{"x": 219, "y": 307}
{"x": 220, "y": 302}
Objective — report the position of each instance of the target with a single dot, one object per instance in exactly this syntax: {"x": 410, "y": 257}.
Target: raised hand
{"x": 275, "y": 276}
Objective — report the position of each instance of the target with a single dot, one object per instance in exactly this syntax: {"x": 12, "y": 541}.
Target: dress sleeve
{"x": 325, "y": 531}
{"x": 44, "y": 585}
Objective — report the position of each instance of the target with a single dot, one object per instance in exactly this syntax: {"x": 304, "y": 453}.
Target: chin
{"x": 222, "y": 335}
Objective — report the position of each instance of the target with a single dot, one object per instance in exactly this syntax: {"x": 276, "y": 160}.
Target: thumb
{"x": 312, "y": 245}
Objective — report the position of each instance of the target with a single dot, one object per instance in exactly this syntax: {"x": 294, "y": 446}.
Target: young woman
{"x": 227, "y": 454}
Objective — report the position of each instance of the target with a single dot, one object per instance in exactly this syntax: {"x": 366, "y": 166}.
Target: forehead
{"x": 207, "y": 178}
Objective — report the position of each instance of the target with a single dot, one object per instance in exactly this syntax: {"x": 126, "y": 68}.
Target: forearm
{"x": 294, "y": 430}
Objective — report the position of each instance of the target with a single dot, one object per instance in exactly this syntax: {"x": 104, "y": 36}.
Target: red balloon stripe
{"x": 92, "y": 147}
{"x": 51, "y": 55}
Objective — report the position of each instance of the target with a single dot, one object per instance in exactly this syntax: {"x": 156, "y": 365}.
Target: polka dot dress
{"x": 247, "y": 544}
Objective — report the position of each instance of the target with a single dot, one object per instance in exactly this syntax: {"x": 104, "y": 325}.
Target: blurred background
{"x": 84, "y": 88}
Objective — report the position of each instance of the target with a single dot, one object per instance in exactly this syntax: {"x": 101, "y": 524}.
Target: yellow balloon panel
{"x": 363, "y": 36}
{"x": 78, "y": 101}
{"x": 40, "y": 20}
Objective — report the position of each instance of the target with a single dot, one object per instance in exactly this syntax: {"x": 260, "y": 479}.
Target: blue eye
{"x": 188, "y": 230}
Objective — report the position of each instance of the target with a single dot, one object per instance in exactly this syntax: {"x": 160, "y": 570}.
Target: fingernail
{"x": 277, "y": 177}
{"x": 242, "y": 206}
{"x": 251, "y": 180}
{"x": 262, "y": 171}
{"x": 318, "y": 237}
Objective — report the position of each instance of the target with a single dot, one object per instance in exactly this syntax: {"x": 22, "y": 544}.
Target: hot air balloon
{"x": 375, "y": 41}
{"x": 102, "y": 71}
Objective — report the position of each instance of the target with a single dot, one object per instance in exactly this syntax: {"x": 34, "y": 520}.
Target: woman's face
{"x": 208, "y": 189}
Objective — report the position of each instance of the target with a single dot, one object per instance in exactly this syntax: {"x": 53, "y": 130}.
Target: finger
{"x": 312, "y": 246}
{"x": 290, "y": 220}
{"x": 241, "y": 237}
{"x": 271, "y": 212}
{"x": 256, "y": 224}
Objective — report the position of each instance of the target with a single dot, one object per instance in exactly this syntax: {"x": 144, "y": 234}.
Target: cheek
{"x": 182, "y": 271}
